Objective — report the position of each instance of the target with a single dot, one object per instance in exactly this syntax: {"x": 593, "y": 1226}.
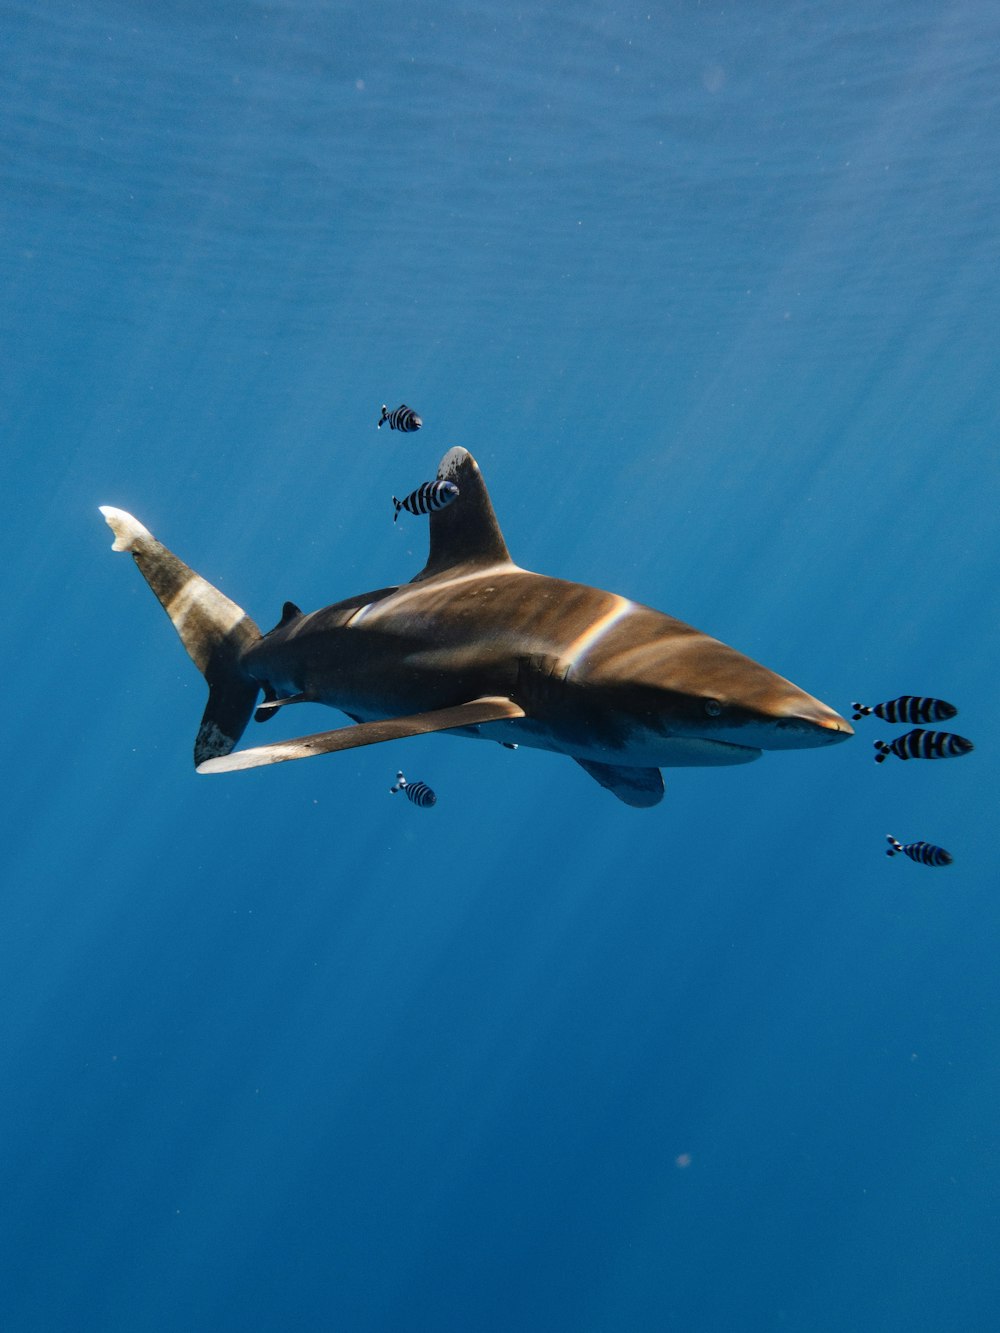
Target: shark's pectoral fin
{"x": 641, "y": 787}
{"x": 470, "y": 714}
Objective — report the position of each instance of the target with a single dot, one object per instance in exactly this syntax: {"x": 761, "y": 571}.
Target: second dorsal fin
{"x": 466, "y": 533}
{"x": 289, "y": 612}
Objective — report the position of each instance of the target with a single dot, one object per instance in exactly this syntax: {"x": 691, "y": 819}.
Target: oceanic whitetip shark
{"x": 479, "y": 647}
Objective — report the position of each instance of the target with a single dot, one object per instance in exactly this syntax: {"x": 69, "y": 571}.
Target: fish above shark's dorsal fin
{"x": 472, "y": 714}
{"x": 640, "y": 787}
{"x": 465, "y": 534}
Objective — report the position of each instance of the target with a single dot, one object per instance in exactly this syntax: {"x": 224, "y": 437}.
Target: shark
{"x": 476, "y": 646}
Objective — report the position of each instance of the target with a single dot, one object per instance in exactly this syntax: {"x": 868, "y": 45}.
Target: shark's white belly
{"x": 645, "y": 749}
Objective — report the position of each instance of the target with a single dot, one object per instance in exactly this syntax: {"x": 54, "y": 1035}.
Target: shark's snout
{"x": 815, "y": 724}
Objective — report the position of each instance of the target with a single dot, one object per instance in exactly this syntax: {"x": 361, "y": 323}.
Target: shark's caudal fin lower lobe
{"x": 214, "y": 630}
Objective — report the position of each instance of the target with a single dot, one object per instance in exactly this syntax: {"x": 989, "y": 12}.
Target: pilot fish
{"x": 919, "y": 744}
{"x": 923, "y": 852}
{"x": 417, "y": 792}
{"x": 908, "y": 708}
{"x": 428, "y": 498}
{"x": 400, "y": 418}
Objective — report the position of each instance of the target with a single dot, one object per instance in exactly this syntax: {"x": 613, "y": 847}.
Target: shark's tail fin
{"x": 214, "y": 630}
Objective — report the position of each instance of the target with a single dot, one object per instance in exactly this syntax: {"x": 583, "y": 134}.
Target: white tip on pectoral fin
{"x": 472, "y": 714}
{"x": 128, "y": 530}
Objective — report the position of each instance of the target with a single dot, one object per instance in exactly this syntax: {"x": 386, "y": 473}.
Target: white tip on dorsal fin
{"x": 128, "y": 531}
{"x": 465, "y": 533}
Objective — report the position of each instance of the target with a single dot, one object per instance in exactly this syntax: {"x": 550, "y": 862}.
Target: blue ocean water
{"x": 711, "y": 292}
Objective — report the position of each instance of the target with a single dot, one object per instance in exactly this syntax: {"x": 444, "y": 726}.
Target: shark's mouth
{"x": 752, "y": 751}
{"x": 803, "y": 733}
{"x": 712, "y": 751}
{"x": 691, "y": 752}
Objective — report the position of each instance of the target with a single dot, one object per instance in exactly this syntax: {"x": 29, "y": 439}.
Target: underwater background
{"x": 712, "y": 292}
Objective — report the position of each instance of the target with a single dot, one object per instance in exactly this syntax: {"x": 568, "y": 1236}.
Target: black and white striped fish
{"x": 923, "y": 852}
{"x": 908, "y": 708}
{"x": 427, "y": 499}
{"x": 919, "y": 744}
{"x": 417, "y": 792}
{"x": 400, "y": 418}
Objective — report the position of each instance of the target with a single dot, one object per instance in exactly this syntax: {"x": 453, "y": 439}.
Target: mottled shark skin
{"x": 479, "y": 647}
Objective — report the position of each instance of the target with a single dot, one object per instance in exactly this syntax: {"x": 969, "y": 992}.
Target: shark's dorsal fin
{"x": 464, "y": 534}
{"x": 640, "y": 787}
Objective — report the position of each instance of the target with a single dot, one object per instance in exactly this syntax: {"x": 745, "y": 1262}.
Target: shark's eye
{"x": 712, "y": 707}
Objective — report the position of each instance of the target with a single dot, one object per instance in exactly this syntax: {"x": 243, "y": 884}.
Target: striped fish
{"x": 427, "y": 499}
{"x": 923, "y": 852}
{"x": 918, "y": 744}
{"x": 908, "y": 708}
{"x": 400, "y": 418}
{"x": 417, "y": 792}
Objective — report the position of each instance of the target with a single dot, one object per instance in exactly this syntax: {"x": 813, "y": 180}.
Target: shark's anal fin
{"x": 465, "y": 534}
{"x": 640, "y": 787}
{"x": 469, "y": 714}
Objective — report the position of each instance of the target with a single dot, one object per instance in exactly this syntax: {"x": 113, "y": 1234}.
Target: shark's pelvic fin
{"x": 470, "y": 714}
{"x": 271, "y": 705}
{"x": 214, "y": 630}
{"x": 641, "y": 787}
{"x": 465, "y": 534}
